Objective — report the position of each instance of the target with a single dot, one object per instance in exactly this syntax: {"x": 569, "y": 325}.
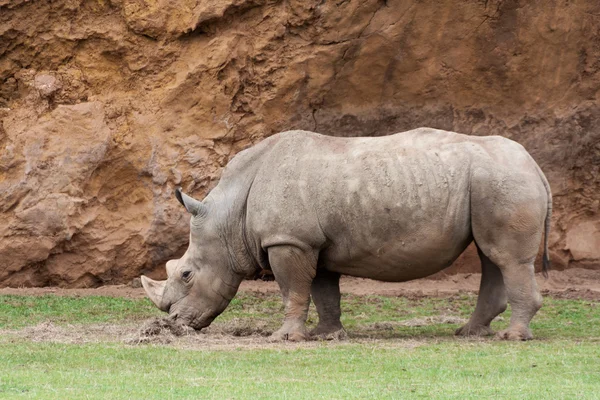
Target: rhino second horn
{"x": 192, "y": 205}
{"x": 171, "y": 267}
{"x": 155, "y": 291}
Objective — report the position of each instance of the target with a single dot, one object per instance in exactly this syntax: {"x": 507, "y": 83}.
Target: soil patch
{"x": 167, "y": 331}
{"x": 231, "y": 335}
{"x": 239, "y": 327}
{"x": 421, "y": 321}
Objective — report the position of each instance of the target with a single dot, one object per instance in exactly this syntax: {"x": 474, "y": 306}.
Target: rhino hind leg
{"x": 522, "y": 292}
{"x": 525, "y": 300}
{"x": 507, "y": 220}
{"x": 294, "y": 271}
{"x": 325, "y": 292}
{"x": 491, "y": 302}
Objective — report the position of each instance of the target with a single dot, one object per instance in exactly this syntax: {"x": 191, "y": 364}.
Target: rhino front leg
{"x": 294, "y": 271}
{"x": 325, "y": 293}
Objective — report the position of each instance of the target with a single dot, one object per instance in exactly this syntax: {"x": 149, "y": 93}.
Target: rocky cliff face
{"x": 106, "y": 106}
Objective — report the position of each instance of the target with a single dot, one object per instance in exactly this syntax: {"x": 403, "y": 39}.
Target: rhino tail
{"x": 545, "y": 257}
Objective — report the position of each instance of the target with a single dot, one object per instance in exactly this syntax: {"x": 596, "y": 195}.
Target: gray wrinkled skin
{"x": 394, "y": 208}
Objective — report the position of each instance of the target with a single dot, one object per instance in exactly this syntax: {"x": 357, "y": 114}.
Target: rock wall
{"x": 107, "y": 105}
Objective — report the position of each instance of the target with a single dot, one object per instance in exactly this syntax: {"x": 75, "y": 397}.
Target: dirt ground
{"x": 242, "y": 334}
{"x": 572, "y": 283}
{"x": 220, "y": 336}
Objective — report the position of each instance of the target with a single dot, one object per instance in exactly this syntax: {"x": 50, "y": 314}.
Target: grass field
{"x": 398, "y": 348}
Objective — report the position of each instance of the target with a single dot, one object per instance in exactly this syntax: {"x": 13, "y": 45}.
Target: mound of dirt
{"x": 159, "y": 331}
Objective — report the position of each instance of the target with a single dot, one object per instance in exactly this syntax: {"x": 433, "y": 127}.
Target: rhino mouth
{"x": 196, "y": 323}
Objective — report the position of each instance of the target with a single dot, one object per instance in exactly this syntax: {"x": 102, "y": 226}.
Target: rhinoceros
{"x": 311, "y": 207}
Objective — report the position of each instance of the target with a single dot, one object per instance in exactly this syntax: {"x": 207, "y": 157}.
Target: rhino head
{"x": 200, "y": 284}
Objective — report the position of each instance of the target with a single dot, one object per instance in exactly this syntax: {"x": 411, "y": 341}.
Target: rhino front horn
{"x": 155, "y": 291}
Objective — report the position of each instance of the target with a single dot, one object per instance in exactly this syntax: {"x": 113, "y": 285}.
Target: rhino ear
{"x": 193, "y": 206}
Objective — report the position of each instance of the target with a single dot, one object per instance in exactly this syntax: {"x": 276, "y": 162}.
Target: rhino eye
{"x": 186, "y": 275}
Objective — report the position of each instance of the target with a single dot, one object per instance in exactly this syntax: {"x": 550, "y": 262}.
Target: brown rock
{"x": 583, "y": 241}
{"x": 46, "y": 85}
{"x": 105, "y": 107}
{"x": 136, "y": 283}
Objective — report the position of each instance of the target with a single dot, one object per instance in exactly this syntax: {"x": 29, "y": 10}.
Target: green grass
{"x": 20, "y": 311}
{"x": 561, "y": 369}
{"x": 404, "y": 361}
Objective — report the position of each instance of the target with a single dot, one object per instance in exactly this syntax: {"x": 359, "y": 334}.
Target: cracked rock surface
{"x": 106, "y": 106}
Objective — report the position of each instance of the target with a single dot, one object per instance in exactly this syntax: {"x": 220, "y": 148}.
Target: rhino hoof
{"x": 476, "y": 330}
{"x": 515, "y": 334}
{"x": 294, "y": 336}
{"x": 337, "y": 334}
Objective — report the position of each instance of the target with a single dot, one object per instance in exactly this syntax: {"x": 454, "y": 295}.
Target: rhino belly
{"x": 396, "y": 260}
